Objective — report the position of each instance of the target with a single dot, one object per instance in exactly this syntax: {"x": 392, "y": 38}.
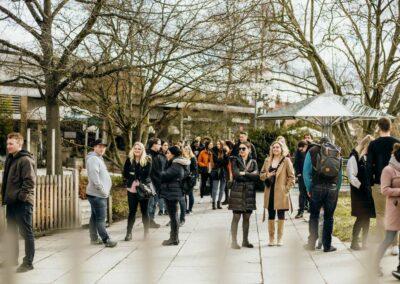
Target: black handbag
{"x": 146, "y": 191}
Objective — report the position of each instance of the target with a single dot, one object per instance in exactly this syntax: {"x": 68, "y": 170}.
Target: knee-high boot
{"x": 271, "y": 233}
{"x": 281, "y": 225}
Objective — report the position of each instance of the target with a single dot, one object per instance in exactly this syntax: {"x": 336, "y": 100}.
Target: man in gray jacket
{"x": 97, "y": 191}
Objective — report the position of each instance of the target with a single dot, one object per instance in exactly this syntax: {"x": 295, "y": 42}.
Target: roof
{"x": 326, "y": 107}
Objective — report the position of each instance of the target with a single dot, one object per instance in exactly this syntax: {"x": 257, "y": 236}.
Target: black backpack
{"x": 188, "y": 181}
{"x": 328, "y": 162}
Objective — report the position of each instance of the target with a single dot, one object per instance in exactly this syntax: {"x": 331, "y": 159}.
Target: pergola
{"x": 326, "y": 110}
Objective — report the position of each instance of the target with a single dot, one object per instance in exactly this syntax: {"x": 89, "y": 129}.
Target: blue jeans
{"x": 190, "y": 202}
{"x": 322, "y": 196}
{"x": 161, "y": 205}
{"x": 387, "y": 242}
{"x": 19, "y": 217}
{"x": 97, "y": 223}
{"x": 218, "y": 184}
{"x": 152, "y": 206}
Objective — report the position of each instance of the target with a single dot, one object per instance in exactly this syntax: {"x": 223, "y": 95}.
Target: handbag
{"x": 146, "y": 191}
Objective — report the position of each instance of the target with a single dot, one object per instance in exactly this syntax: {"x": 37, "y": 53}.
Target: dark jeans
{"x": 133, "y": 202}
{"x": 189, "y": 200}
{"x": 272, "y": 214}
{"x": 203, "y": 183}
{"x": 182, "y": 208}
{"x": 19, "y": 218}
{"x": 97, "y": 223}
{"x": 172, "y": 208}
{"x": 303, "y": 196}
{"x": 322, "y": 196}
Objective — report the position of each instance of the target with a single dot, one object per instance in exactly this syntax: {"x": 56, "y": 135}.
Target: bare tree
{"x": 49, "y": 46}
{"x": 345, "y": 46}
{"x": 160, "y": 33}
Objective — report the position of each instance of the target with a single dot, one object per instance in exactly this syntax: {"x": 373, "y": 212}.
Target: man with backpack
{"x": 322, "y": 173}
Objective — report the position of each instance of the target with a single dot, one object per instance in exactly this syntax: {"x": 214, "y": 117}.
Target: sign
{"x": 70, "y": 135}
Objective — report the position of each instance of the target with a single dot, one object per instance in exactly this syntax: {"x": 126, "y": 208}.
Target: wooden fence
{"x": 56, "y": 202}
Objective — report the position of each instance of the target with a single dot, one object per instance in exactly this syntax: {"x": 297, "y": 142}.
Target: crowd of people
{"x": 164, "y": 176}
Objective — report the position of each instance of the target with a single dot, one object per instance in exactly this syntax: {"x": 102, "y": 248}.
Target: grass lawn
{"x": 343, "y": 225}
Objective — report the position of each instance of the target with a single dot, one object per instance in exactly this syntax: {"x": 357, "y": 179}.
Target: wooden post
{"x": 86, "y": 143}
{"x": 53, "y": 151}
{"x": 76, "y": 197}
{"x": 28, "y": 139}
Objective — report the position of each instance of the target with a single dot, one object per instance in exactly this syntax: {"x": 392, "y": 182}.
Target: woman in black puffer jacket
{"x": 137, "y": 170}
{"x": 242, "y": 200}
{"x": 172, "y": 189}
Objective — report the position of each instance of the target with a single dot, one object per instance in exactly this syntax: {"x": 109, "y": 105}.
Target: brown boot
{"x": 281, "y": 224}
{"x": 271, "y": 233}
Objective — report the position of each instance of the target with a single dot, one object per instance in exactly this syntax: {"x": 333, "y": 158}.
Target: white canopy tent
{"x": 326, "y": 110}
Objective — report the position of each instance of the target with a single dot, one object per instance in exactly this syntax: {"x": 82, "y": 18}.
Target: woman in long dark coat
{"x": 362, "y": 203}
{"x": 242, "y": 200}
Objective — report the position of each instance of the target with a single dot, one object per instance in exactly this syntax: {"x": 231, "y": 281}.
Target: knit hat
{"x": 175, "y": 150}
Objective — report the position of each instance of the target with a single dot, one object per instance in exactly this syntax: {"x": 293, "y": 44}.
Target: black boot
{"x": 226, "y": 197}
{"x": 128, "y": 237}
{"x": 219, "y": 205}
{"x": 173, "y": 238}
{"x": 396, "y": 273}
{"x": 299, "y": 215}
{"x": 213, "y": 206}
{"x": 24, "y": 267}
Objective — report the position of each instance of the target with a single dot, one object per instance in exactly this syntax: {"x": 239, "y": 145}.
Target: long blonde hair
{"x": 187, "y": 152}
{"x": 284, "y": 152}
{"x": 362, "y": 147}
{"x": 143, "y": 158}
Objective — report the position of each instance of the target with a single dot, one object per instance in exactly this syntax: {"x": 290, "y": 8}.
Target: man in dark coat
{"x": 17, "y": 192}
{"x": 300, "y": 156}
{"x": 243, "y": 138}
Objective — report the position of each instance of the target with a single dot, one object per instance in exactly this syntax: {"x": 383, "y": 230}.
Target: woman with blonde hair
{"x": 136, "y": 171}
{"x": 362, "y": 203}
{"x": 278, "y": 174}
{"x": 282, "y": 140}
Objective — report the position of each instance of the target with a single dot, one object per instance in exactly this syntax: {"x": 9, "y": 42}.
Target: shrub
{"x": 120, "y": 208}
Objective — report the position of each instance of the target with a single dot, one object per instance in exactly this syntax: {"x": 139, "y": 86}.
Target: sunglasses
{"x": 242, "y": 149}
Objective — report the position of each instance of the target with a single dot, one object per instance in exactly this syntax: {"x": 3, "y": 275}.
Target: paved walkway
{"x": 203, "y": 256}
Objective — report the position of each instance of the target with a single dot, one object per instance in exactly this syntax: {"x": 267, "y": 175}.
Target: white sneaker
{"x": 394, "y": 251}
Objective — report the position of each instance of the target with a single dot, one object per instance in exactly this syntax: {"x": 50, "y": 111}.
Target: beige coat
{"x": 284, "y": 182}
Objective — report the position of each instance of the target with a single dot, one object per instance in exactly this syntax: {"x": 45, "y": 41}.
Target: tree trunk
{"x": 53, "y": 122}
